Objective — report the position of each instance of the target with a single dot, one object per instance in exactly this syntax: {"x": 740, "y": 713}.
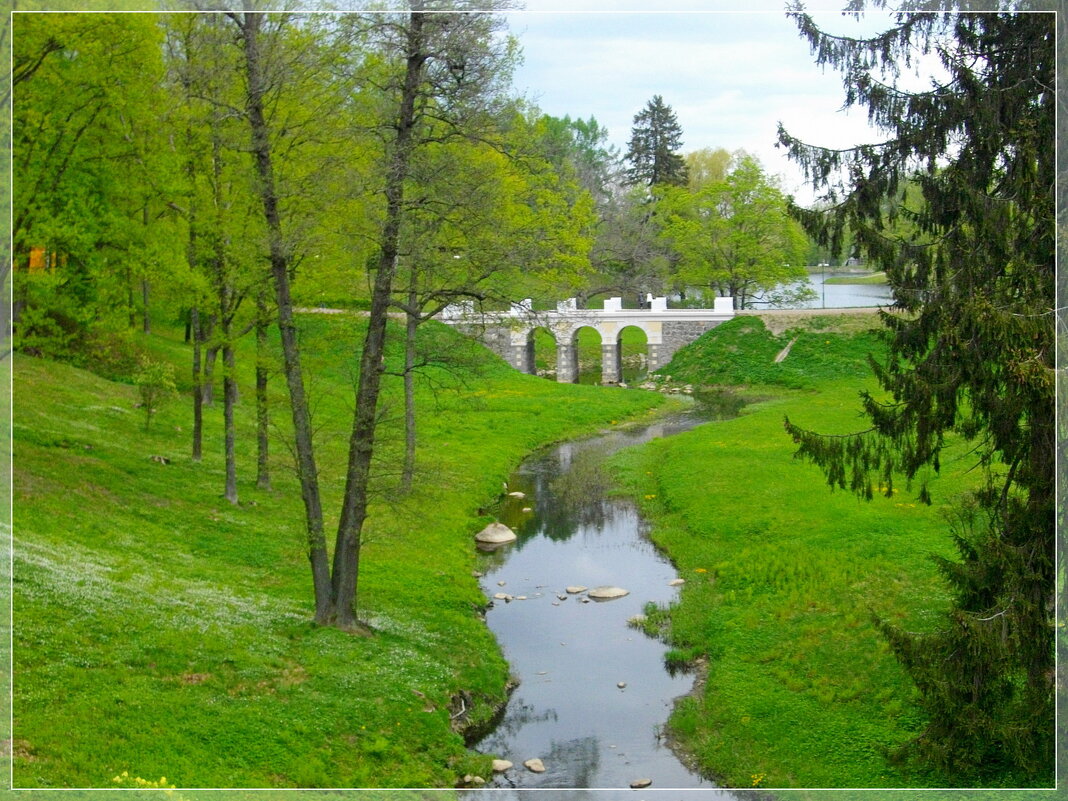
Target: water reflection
{"x": 571, "y": 656}
{"x": 717, "y": 403}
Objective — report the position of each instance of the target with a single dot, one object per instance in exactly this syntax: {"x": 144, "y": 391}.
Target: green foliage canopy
{"x": 734, "y": 236}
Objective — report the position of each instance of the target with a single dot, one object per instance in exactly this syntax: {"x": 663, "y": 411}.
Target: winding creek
{"x": 594, "y": 693}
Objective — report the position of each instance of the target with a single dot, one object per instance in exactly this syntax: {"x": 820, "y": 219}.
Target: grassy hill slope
{"x": 162, "y": 632}
{"x": 783, "y": 576}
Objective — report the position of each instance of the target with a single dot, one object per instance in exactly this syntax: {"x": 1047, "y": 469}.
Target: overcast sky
{"x": 729, "y": 76}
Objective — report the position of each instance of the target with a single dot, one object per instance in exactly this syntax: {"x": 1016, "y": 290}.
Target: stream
{"x": 594, "y": 692}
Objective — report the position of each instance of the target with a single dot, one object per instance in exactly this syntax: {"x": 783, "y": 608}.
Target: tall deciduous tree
{"x": 734, "y": 236}
{"x": 655, "y": 141}
{"x": 450, "y": 70}
{"x": 971, "y": 354}
{"x": 490, "y": 227}
{"x": 708, "y": 166}
{"x": 435, "y": 76}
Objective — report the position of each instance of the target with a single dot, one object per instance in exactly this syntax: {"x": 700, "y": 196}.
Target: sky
{"x": 730, "y": 77}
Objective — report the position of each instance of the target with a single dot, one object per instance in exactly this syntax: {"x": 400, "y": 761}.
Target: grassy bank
{"x": 878, "y": 278}
{"x": 783, "y": 576}
{"x": 162, "y": 632}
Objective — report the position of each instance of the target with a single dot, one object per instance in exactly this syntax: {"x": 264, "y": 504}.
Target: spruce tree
{"x": 970, "y": 356}
{"x": 654, "y": 143}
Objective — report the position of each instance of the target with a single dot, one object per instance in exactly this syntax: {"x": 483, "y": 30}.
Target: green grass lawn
{"x": 864, "y": 280}
{"x": 162, "y": 632}
{"x": 783, "y": 576}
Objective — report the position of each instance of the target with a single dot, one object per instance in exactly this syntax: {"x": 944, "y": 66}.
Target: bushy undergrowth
{"x": 162, "y": 632}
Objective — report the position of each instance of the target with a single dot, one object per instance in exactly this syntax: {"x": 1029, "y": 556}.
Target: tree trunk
{"x": 229, "y": 400}
{"x": 361, "y": 442}
{"x": 209, "y": 373}
{"x": 249, "y": 26}
{"x": 263, "y": 471}
{"x": 131, "y": 305}
{"x": 412, "y": 323}
{"x": 224, "y": 292}
{"x": 198, "y": 386}
{"x": 146, "y": 323}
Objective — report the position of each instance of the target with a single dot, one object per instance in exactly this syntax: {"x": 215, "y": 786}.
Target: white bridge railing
{"x": 568, "y": 308}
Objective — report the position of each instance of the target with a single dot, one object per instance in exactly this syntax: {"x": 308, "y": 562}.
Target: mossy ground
{"x": 162, "y": 632}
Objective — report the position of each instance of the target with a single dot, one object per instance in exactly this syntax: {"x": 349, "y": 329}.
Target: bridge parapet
{"x": 510, "y": 333}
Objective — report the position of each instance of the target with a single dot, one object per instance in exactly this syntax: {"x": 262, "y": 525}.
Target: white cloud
{"x": 731, "y": 77}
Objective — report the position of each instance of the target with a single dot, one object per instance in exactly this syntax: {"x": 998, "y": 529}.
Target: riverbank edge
{"x": 652, "y": 407}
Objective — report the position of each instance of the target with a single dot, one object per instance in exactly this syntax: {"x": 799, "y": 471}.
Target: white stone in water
{"x": 535, "y": 765}
{"x": 517, "y": 495}
{"x": 501, "y": 765}
{"x": 676, "y": 582}
{"x": 607, "y": 593}
{"x": 495, "y": 534}
{"x": 637, "y": 784}
{"x": 500, "y": 596}
{"x": 575, "y": 590}
{"x": 621, "y": 684}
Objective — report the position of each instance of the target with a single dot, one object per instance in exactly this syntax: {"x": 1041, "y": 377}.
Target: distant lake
{"x": 837, "y": 296}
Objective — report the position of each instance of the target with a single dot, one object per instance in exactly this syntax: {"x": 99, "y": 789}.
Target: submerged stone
{"x": 607, "y": 593}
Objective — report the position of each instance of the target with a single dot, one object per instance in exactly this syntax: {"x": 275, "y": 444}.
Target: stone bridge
{"x": 511, "y": 334}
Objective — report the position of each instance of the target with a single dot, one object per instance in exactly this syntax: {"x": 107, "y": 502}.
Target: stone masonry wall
{"x": 496, "y": 338}
{"x": 677, "y": 334}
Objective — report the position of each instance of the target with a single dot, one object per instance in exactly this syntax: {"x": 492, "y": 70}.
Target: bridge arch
{"x": 511, "y": 334}
{"x": 586, "y": 341}
{"x": 631, "y": 350}
{"x": 542, "y": 350}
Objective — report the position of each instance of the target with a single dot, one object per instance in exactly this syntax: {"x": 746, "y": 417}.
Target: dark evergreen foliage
{"x": 971, "y": 354}
{"x": 654, "y": 143}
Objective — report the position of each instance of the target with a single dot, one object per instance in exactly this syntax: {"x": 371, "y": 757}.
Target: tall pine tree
{"x": 971, "y": 354}
{"x": 654, "y": 143}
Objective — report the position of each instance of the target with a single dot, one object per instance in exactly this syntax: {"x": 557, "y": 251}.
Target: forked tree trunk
{"x": 361, "y": 442}
{"x": 249, "y": 26}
